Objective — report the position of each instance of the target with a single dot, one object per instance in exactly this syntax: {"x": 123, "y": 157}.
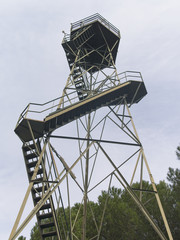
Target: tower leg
{"x": 153, "y": 183}
{"x": 86, "y": 182}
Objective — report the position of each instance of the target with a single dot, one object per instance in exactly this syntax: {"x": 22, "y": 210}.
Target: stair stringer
{"x": 46, "y": 216}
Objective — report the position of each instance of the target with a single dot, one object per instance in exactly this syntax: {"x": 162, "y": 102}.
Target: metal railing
{"x": 84, "y": 22}
{"x": 94, "y": 18}
{"x": 66, "y": 38}
{"x": 40, "y": 111}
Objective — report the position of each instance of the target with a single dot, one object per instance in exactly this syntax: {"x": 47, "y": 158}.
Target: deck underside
{"x": 132, "y": 91}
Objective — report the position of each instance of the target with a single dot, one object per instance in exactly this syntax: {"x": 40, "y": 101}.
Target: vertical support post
{"x": 105, "y": 206}
{"x": 158, "y": 199}
{"x": 69, "y": 234}
{"x": 153, "y": 184}
{"x": 141, "y": 179}
{"x": 86, "y": 181}
{"x": 135, "y": 168}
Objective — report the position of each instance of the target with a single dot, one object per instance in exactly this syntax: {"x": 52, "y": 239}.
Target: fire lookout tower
{"x": 76, "y": 145}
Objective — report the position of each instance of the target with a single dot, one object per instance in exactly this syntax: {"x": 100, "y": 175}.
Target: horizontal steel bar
{"x": 95, "y": 140}
{"x": 143, "y": 190}
{"x": 38, "y": 181}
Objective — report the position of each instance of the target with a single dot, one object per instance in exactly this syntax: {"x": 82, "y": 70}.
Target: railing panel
{"x": 40, "y": 111}
{"x": 93, "y": 18}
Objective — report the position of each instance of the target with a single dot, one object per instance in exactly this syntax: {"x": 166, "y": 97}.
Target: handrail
{"x": 92, "y": 18}
{"x": 66, "y": 38}
{"x": 46, "y": 107}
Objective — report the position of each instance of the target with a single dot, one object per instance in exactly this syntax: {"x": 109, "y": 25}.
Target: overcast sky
{"x": 33, "y": 68}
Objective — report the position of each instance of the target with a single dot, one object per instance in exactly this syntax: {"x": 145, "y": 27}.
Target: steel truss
{"x": 90, "y": 146}
{"x": 74, "y": 159}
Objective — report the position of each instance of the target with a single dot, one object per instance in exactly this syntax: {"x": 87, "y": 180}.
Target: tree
{"x": 173, "y": 177}
{"x": 35, "y": 233}
{"x": 21, "y": 238}
{"x": 122, "y": 219}
{"x": 178, "y": 152}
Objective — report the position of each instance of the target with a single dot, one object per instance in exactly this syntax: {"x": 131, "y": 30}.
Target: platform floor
{"x": 134, "y": 91}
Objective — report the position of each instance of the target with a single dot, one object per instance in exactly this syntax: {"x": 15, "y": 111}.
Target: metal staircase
{"x": 46, "y": 218}
{"x": 80, "y": 83}
{"x": 82, "y": 36}
{"x": 78, "y": 39}
{"x": 133, "y": 91}
{"x": 78, "y": 77}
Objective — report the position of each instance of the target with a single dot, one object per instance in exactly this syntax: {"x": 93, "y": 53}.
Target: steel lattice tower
{"x": 86, "y": 139}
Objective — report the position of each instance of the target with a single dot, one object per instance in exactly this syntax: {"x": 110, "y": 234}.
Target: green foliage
{"x": 35, "y": 233}
{"x": 178, "y": 152}
{"x": 21, "y": 238}
{"x": 122, "y": 218}
{"x": 173, "y": 177}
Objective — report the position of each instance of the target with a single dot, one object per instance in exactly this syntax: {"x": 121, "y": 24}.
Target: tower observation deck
{"x": 95, "y": 36}
{"x": 95, "y": 95}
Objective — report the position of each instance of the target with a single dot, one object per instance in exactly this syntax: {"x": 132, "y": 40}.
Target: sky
{"x": 33, "y": 68}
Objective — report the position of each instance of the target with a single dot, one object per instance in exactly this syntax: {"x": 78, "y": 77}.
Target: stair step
{"x": 40, "y": 179}
{"x": 80, "y": 85}
{"x": 37, "y": 199}
{"x": 77, "y": 70}
{"x": 40, "y": 171}
{"x": 31, "y": 156}
{"x": 39, "y": 189}
{"x": 70, "y": 60}
{"x": 46, "y": 206}
{"x": 79, "y": 81}
{"x": 31, "y": 164}
{"x": 47, "y": 225}
{"x": 49, "y": 234}
{"x": 83, "y": 38}
{"x": 45, "y": 215}
{"x": 29, "y": 147}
